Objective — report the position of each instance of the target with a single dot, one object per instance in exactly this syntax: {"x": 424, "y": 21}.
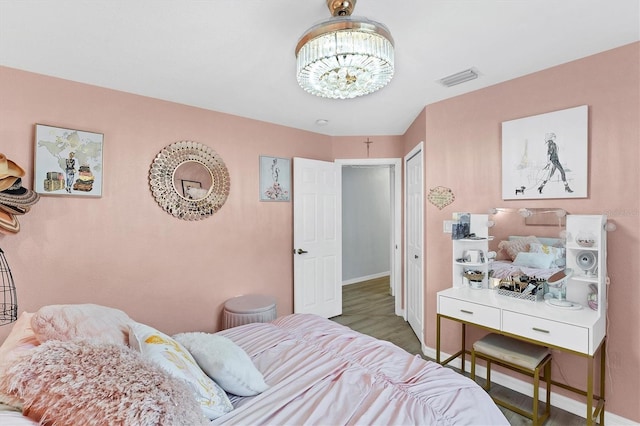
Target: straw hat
{"x": 18, "y": 196}
{"x": 14, "y": 210}
{"x": 8, "y": 168}
{"x": 9, "y": 222}
{"x": 7, "y": 182}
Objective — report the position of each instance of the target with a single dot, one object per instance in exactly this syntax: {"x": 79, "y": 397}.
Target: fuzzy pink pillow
{"x": 82, "y": 321}
{"x": 517, "y": 245}
{"x": 20, "y": 339}
{"x": 90, "y": 383}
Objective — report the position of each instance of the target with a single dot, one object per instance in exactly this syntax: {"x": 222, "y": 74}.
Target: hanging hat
{"x": 9, "y": 222}
{"x": 9, "y": 168}
{"x": 18, "y": 196}
{"x": 7, "y": 182}
{"x": 15, "y": 210}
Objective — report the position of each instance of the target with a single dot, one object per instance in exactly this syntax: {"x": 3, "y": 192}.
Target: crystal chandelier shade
{"x": 345, "y": 57}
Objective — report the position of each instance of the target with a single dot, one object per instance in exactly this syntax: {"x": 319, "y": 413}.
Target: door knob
{"x": 415, "y": 256}
{"x": 300, "y": 251}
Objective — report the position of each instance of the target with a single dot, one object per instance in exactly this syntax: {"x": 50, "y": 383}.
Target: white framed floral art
{"x": 275, "y": 178}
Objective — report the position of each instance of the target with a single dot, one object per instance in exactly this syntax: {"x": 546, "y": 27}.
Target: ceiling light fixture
{"x": 346, "y": 56}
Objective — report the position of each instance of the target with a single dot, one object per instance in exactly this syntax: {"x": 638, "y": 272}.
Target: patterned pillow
{"x": 93, "y": 383}
{"x": 177, "y": 361}
{"x": 517, "y": 245}
{"x": 557, "y": 252}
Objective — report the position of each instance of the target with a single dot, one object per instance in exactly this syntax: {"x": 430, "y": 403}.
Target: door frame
{"x": 416, "y": 150}
{"x": 395, "y": 164}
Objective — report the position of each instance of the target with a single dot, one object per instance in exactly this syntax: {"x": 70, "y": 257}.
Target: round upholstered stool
{"x": 247, "y": 309}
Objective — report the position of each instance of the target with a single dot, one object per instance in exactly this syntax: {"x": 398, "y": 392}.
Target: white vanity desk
{"x": 579, "y": 332}
{"x": 572, "y": 331}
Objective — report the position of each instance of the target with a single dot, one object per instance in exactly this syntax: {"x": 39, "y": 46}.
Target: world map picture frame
{"x": 68, "y": 162}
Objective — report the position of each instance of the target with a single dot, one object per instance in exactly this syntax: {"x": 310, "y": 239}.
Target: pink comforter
{"x": 323, "y": 373}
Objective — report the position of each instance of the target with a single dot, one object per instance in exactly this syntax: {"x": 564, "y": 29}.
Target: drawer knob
{"x": 466, "y": 312}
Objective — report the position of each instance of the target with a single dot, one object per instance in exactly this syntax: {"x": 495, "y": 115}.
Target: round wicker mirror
{"x": 189, "y": 180}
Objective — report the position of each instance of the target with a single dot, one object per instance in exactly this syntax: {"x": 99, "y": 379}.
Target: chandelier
{"x": 346, "y": 56}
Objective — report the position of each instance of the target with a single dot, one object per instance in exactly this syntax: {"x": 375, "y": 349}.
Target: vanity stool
{"x": 520, "y": 356}
{"x": 247, "y": 309}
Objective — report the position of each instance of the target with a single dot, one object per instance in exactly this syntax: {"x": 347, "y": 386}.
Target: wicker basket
{"x": 516, "y": 295}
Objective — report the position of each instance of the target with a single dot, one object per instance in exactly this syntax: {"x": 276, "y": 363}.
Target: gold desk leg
{"x": 590, "y": 391}
{"x": 464, "y": 332}
{"x": 603, "y": 361}
{"x": 438, "y": 338}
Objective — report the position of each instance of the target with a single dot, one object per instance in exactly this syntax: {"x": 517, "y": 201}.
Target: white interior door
{"x": 414, "y": 240}
{"x": 317, "y": 237}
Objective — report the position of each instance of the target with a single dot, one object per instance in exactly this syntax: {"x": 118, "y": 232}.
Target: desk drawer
{"x": 471, "y": 312}
{"x": 547, "y": 331}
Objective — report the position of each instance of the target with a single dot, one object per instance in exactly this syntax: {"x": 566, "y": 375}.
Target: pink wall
{"x": 463, "y": 146}
{"x": 123, "y": 250}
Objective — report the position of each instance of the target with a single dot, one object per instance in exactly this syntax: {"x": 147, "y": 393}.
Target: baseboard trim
{"x": 366, "y": 278}
{"x": 560, "y": 401}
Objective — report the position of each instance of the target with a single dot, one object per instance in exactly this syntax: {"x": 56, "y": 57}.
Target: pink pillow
{"x": 86, "y": 321}
{"x": 91, "y": 383}
{"x": 20, "y": 340}
{"x": 517, "y": 245}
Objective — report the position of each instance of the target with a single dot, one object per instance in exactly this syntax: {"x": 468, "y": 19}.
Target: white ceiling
{"x": 238, "y": 56}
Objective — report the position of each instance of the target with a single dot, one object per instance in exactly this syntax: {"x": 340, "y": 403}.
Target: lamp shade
{"x": 345, "y": 57}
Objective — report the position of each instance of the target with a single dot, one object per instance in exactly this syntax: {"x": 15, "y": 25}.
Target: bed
{"x": 303, "y": 369}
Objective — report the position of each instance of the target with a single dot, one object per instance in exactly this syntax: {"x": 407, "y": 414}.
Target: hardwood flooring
{"x": 369, "y": 308}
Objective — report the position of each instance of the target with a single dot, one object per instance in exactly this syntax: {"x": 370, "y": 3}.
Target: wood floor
{"x": 369, "y": 308}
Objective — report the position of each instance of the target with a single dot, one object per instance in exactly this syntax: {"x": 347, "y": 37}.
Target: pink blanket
{"x": 323, "y": 373}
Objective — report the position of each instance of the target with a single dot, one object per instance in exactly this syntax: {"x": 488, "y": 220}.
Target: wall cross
{"x": 368, "y": 142}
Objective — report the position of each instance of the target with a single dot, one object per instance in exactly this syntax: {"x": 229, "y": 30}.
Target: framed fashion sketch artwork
{"x": 67, "y": 162}
{"x": 546, "y": 155}
{"x": 275, "y": 179}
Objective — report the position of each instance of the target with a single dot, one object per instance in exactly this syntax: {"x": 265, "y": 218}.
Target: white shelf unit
{"x": 461, "y": 247}
{"x": 584, "y": 278}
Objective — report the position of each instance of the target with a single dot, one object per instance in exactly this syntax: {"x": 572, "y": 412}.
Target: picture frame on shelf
{"x": 275, "y": 178}
{"x": 68, "y": 162}
{"x": 546, "y": 156}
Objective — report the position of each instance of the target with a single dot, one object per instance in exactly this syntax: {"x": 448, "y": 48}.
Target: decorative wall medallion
{"x": 189, "y": 180}
{"x": 440, "y": 196}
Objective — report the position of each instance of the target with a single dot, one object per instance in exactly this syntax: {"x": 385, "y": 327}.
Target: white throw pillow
{"x": 177, "y": 361}
{"x": 225, "y": 362}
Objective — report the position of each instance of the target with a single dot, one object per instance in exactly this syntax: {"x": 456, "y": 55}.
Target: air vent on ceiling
{"x": 459, "y": 77}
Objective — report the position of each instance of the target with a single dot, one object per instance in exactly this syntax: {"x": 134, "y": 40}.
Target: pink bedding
{"x": 321, "y": 372}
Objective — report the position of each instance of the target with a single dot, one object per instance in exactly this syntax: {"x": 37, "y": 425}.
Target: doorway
{"x": 393, "y": 165}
